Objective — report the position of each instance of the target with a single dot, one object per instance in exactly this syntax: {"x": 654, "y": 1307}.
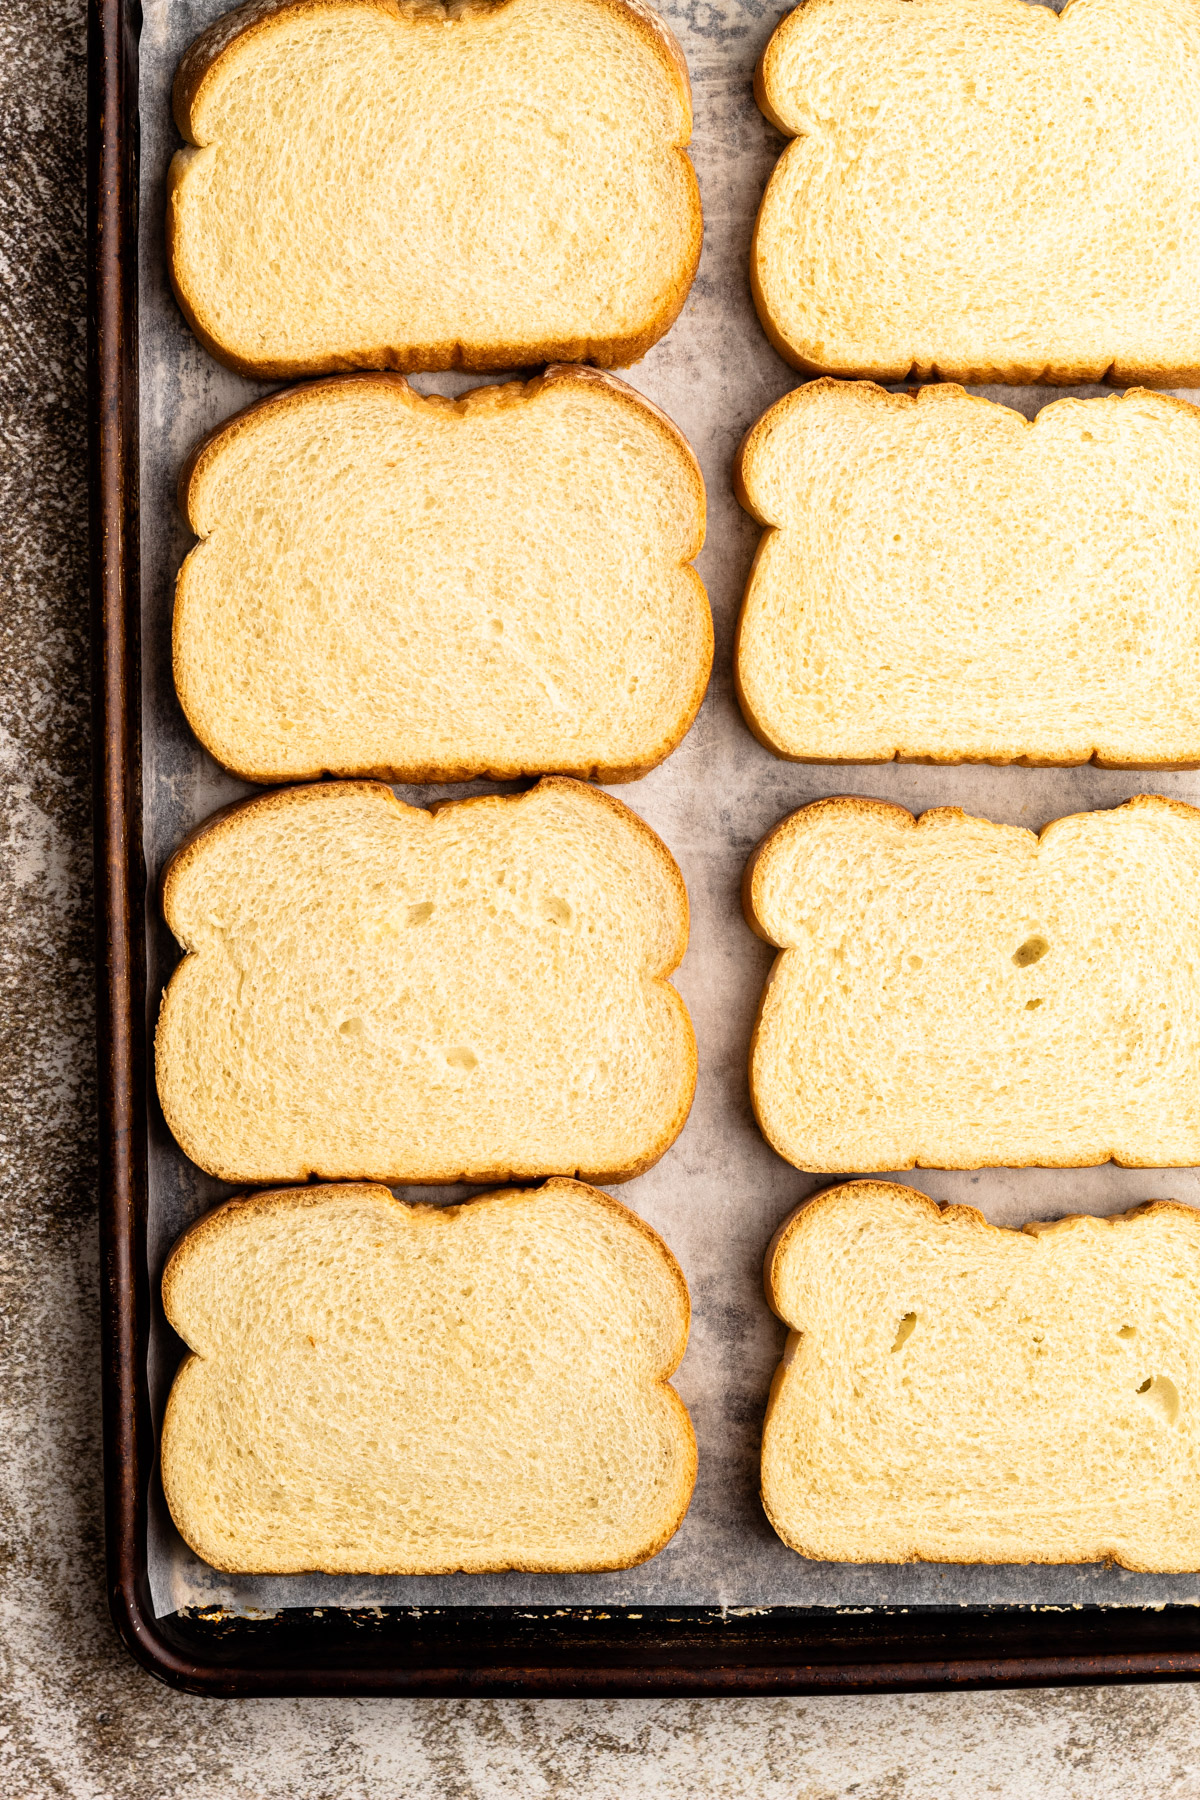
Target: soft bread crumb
{"x": 984, "y": 191}
{"x": 429, "y": 590}
{"x": 385, "y": 1389}
{"x": 380, "y": 992}
{"x": 942, "y": 580}
{"x": 372, "y": 185}
{"x": 955, "y": 994}
{"x": 951, "y": 1392}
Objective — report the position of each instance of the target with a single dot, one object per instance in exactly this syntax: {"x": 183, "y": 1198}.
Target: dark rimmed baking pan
{"x": 452, "y": 1650}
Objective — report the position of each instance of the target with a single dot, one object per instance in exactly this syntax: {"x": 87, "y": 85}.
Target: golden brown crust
{"x": 318, "y": 792}
{"x": 231, "y": 34}
{"x": 798, "y": 821}
{"x": 871, "y": 395}
{"x": 1118, "y": 374}
{"x": 257, "y": 17}
{"x": 950, "y": 1213}
{"x": 187, "y": 848}
{"x": 492, "y": 396}
{"x": 213, "y": 1222}
{"x": 787, "y": 827}
{"x": 856, "y": 393}
{"x": 489, "y": 397}
{"x": 327, "y": 1193}
{"x": 800, "y": 1218}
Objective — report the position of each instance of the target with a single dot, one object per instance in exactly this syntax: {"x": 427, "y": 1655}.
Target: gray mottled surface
{"x": 77, "y": 1719}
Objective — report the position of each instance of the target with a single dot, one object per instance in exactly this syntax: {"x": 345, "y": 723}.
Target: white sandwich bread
{"x": 403, "y": 184}
{"x": 424, "y": 589}
{"x": 951, "y": 1392}
{"x": 984, "y": 190}
{"x": 377, "y": 1388}
{"x": 954, "y": 993}
{"x": 376, "y": 991}
{"x": 942, "y": 581}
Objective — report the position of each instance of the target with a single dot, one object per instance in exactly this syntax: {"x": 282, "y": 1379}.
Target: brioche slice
{"x": 430, "y": 590}
{"x": 955, "y": 1393}
{"x": 375, "y": 991}
{"x": 984, "y": 191}
{"x": 407, "y": 1390}
{"x": 942, "y": 580}
{"x": 475, "y": 185}
{"x": 954, "y": 993}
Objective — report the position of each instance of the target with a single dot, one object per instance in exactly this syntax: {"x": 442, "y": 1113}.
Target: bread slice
{"x": 954, "y": 993}
{"x": 384, "y": 185}
{"x": 984, "y": 191}
{"x": 942, "y": 580}
{"x": 386, "y": 1389}
{"x": 375, "y": 991}
{"x": 955, "y": 1393}
{"x": 430, "y": 589}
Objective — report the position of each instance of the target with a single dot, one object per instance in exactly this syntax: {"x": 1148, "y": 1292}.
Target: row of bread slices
{"x": 478, "y": 185}
{"x": 481, "y": 990}
{"x": 379, "y": 992}
{"x": 423, "y": 589}
{"x": 393, "y": 1389}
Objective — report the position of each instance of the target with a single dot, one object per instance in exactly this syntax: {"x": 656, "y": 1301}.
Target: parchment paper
{"x": 718, "y": 1195}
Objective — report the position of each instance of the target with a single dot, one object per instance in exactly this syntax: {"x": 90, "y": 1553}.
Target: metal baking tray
{"x": 725, "y": 1609}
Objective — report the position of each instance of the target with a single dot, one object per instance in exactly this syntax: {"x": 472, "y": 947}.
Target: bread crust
{"x": 850, "y": 394}
{"x": 799, "y": 821}
{"x": 922, "y": 1207}
{"x": 211, "y": 1224}
{"x": 1148, "y": 372}
{"x": 497, "y": 396}
{"x": 193, "y": 847}
{"x": 232, "y": 34}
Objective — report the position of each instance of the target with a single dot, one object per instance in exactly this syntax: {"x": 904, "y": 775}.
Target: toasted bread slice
{"x": 984, "y": 191}
{"x": 379, "y": 1388}
{"x": 944, "y": 581}
{"x": 954, "y": 993}
{"x": 383, "y": 185}
{"x": 429, "y": 590}
{"x": 376, "y": 991}
{"x": 955, "y": 1393}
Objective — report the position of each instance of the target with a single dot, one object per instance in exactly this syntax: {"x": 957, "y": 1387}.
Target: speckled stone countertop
{"x": 77, "y": 1717}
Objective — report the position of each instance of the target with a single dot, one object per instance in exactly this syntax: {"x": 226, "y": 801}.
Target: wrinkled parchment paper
{"x": 718, "y": 1195}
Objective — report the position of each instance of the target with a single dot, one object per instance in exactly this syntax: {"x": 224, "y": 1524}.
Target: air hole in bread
{"x": 352, "y": 1028}
{"x": 1032, "y": 1005}
{"x": 1162, "y": 1393}
{"x": 908, "y": 1325}
{"x": 1127, "y": 1331}
{"x": 417, "y": 915}
{"x": 556, "y": 911}
{"x": 1031, "y": 951}
{"x": 462, "y": 1058}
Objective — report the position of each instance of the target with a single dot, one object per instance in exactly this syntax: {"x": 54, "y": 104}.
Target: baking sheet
{"x": 718, "y": 1195}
